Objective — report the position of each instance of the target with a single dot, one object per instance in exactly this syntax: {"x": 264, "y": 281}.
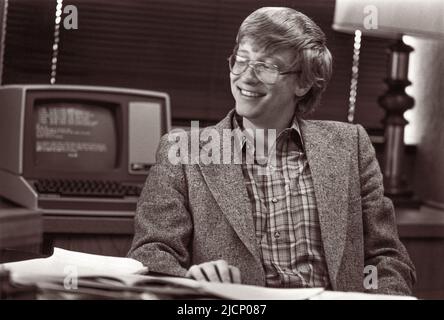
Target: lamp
{"x": 393, "y": 19}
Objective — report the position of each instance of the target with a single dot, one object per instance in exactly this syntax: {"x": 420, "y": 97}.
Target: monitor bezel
{"x": 120, "y": 99}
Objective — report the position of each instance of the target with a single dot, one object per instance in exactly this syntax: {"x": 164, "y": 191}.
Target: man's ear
{"x": 301, "y": 91}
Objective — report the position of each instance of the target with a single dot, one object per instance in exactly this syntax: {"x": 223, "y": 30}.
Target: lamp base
{"x": 395, "y": 102}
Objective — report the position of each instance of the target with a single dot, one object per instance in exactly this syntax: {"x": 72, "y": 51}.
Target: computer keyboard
{"x": 87, "y": 188}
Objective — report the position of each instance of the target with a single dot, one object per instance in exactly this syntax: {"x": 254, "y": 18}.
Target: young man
{"x": 311, "y": 215}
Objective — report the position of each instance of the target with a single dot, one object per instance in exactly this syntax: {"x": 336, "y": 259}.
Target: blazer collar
{"x": 294, "y": 128}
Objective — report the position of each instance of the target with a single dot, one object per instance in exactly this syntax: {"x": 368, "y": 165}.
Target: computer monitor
{"x": 81, "y": 148}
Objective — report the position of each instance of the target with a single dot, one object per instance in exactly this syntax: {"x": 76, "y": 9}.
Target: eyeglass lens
{"x": 263, "y": 71}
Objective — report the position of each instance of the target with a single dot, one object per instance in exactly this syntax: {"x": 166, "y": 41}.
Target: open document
{"x": 69, "y": 274}
{"x": 79, "y": 275}
{"x": 64, "y": 262}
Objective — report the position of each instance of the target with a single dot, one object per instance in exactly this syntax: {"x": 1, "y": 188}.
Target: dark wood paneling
{"x": 19, "y": 227}
{"x": 103, "y": 244}
{"x": 427, "y": 256}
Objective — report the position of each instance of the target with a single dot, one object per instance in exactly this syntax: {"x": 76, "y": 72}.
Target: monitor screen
{"x": 75, "y": 136}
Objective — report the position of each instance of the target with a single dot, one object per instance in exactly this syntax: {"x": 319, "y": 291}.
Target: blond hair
{"x": 279, "y": 28}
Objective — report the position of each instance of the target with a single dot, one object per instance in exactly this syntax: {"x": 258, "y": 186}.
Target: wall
{"x": 426, "y": 127}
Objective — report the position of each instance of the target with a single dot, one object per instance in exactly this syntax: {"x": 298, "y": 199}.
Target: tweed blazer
{"x": 193, "y": 213}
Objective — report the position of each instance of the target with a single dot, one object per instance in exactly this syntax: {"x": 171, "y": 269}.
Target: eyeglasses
{"x": 266, "y": 72}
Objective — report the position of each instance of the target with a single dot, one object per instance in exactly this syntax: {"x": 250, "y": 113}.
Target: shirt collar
{"x": 240, "y": 139}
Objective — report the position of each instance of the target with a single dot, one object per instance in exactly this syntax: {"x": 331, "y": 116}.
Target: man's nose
{"x": 249, "y": 75}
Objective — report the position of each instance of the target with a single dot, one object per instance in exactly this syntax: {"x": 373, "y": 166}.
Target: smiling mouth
{"x": 250, "y": 94}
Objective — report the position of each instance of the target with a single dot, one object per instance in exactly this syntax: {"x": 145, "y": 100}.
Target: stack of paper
{"x": 63, "y": 263}
{"x": 106, "y": 274}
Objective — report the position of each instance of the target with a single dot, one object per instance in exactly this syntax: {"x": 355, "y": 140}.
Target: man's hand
{"x": 215, "y": 271}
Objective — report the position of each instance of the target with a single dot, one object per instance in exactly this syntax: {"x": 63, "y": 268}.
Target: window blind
{"x": 176, "y": 46}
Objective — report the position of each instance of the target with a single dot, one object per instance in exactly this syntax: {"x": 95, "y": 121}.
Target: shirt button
{"x": 277, "y": 234}
{"x": 274, "y": 200}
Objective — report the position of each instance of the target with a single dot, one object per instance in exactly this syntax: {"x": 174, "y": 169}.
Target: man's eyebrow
{"x": 269, "y": 58}
{"x": 274, "y": 60}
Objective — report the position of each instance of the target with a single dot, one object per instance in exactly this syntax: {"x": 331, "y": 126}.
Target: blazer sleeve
{"x": 382, "y": 247}
{"x": 163, "y": 225}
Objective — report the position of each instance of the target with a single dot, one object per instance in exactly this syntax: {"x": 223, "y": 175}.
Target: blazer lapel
{"x": 330, "y": 177}
{"x": 226, "y": 184}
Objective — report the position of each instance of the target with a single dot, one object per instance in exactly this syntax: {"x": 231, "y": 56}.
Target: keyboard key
{"x": 86, "y": 188}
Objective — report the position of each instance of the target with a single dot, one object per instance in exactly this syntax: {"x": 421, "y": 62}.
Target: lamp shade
{"x": 391, "y": 18}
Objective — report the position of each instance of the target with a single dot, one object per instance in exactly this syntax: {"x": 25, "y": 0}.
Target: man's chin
{"x": 247, "y": 111}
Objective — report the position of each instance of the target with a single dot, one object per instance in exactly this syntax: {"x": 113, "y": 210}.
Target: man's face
{"x": 263, "y": 104}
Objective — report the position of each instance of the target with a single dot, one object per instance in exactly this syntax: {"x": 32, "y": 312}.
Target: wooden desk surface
{"x": 425, "y": 222}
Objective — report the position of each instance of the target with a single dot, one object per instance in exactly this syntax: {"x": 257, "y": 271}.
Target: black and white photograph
{"x": 222, "y": 155}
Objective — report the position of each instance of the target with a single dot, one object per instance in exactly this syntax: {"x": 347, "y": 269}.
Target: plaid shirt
{"x": 285, "y": 212}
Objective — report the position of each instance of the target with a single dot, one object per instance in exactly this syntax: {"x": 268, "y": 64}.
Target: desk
{"x": 106, "y": 235}
{"x": 421, "y": 231}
